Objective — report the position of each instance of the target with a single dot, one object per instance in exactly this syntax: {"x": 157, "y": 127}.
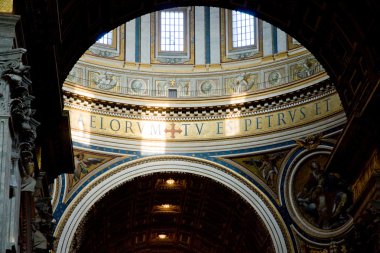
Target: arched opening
{"x": 333, "y": 32}
{"x": 258, "y": 96}
{"x": 341, "y": 35}
{"x": 330, "y": 31}
{"x": 181, "y": 168}
{"x": 153, "y": 214}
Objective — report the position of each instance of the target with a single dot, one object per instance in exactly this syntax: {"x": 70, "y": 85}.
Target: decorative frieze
{"x": 244, "y": 81}
{"x": 269, "y": 104}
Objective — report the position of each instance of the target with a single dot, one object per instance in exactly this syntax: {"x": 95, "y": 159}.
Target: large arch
{"x": 330, "y": 30}
{"x": 76, "y": 212}
{"x": 340, "y": 34}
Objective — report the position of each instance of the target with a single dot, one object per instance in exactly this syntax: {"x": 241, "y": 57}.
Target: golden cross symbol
{"x": 173, "y": 130}
{"x": 172, "y": 83}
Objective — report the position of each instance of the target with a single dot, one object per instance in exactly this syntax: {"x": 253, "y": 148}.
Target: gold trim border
{"x": 190, "y": 35}
{"x": 71, "y": 207}
{"x": 225, "y": 30}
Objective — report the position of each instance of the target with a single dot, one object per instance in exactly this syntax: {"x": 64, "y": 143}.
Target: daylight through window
{"x": 172, "y": 31}
{"x": 106, "y": 39}
{"x": 243, "y": 29}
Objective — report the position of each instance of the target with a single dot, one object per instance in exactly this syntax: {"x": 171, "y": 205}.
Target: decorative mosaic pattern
{"x": 234, "y": 82}
{"x": 84, "y": 163}
{"x": 266, "y": 166}
{"x": 304, "y": 69}
{"x": 101, "y": 178}
{"x": 276, "y": 77}
{"x": 6, "y": 6}
{"x": 322, "y": 197}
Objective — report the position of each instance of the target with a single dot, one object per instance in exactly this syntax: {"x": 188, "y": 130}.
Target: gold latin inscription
{"x": 203, "y": 130}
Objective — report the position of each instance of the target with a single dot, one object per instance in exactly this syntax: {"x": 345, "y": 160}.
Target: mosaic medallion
{"x": 321, "y": 198}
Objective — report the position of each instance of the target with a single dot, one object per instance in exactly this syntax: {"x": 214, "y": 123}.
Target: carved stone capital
{"x": 10, "y": 58}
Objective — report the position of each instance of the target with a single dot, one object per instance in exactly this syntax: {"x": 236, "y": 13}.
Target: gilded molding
{"x": 6, "y": 6}
{"x": 372, "y": 168}
{"x": 285, "y": 101}
{"x": 290, "y": 201}
{"x": 228, "y": 54}
{"x": 257, "y": 179}
{"x": 103, "y": 177}
{"x": 159, "y": 58}
{"x": 56, "y": 193}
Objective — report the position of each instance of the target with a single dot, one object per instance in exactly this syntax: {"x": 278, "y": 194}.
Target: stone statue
{"x": 28, "y": 184}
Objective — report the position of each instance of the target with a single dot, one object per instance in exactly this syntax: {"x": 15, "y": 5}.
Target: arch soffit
{"x": 79, "y": 207}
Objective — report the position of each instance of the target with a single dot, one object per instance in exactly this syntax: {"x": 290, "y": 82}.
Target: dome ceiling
{"x": 208, "y": 67}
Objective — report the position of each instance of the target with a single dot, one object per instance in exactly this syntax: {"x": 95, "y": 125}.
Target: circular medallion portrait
{"x": 138, "y": 86}
{"x": 321, "y": 198}
{"x": 274, "y": 78}
{"x": 206, "y": 87}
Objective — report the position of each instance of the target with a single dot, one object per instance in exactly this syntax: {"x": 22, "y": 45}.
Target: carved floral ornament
{"x": 4, "y": 100}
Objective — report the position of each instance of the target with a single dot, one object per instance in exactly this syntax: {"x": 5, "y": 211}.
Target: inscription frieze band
{"x": 205, "y": 129}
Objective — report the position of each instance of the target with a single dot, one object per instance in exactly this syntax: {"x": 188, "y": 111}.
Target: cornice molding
{"x": 288, "y": 100}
